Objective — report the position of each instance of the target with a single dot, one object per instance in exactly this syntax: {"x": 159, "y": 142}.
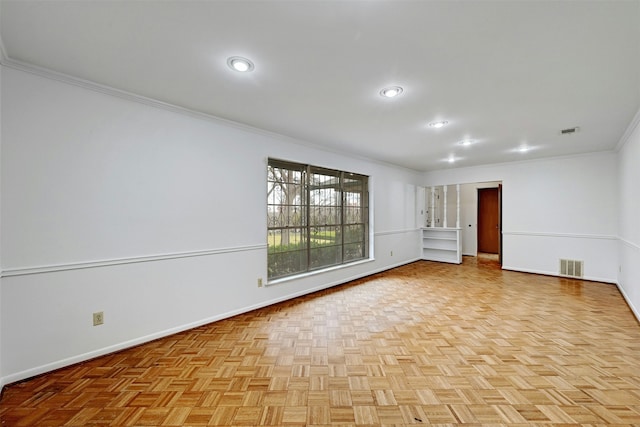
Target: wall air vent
{"x": 569, "y": 131}
{"x": 571, "y": 268}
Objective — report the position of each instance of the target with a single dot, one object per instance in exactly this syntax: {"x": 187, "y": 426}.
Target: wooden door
{"x": 488, "y": 220}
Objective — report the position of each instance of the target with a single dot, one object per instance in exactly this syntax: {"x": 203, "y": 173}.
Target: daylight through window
{"x": 316, "y": 218}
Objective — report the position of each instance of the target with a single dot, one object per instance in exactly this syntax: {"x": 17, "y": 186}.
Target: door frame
{"x": 499, "y": 189}
{"x": 500, "y": 224}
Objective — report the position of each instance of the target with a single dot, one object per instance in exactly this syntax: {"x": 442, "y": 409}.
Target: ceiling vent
{"x": 569, "y": 131}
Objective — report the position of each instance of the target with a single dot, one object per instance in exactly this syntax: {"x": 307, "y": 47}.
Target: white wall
{"x": 551, "y": 209}
{"x": 628, "y": 162}
{"x": 452, "y": 206}
{"x": 156, "y": 217}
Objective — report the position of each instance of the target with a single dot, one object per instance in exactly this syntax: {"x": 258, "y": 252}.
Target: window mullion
{"x": 309, "y": 240}
{"x": 342, "y": 215}
{"x": 307, "y": 191}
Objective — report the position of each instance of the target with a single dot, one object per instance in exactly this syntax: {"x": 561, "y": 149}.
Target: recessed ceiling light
{"x": 524, "y": 148}
{"x": 390, "y": 92}
{"x": 240, "y": 64}
{"x": 467, "y": 142}
{"x": 452, "y": 158}
{"x": 438, "y": 125}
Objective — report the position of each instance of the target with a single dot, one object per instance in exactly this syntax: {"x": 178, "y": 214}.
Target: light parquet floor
{"x": 426, "y": 343}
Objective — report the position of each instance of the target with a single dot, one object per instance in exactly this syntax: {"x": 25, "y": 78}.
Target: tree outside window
{"x": 316, "y": 218}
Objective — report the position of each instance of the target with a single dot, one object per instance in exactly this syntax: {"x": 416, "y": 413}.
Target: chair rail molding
{"x": 21, "y": 271}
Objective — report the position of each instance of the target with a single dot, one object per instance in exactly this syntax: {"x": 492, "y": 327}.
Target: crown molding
{"x": 133, "y": 97}
{"x": 517, "y": 162}
{"x": 129, "y": 96}
{"x": 635, "y": 122}
{"x": 3, "y": 52}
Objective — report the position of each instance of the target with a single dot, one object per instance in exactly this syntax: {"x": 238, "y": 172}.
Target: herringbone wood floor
{"x": 426, "y": 343}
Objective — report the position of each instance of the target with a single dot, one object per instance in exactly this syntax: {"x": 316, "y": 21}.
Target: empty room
{"x": 298, "y": 213}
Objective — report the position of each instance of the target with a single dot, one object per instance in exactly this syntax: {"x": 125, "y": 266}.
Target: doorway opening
{"x": 489, "y": 232}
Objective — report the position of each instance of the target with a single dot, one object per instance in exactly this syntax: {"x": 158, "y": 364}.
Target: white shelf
{"x": 435, "y": 239}
{"x": 441, "y": 244}
{"x": 444, "y": 244}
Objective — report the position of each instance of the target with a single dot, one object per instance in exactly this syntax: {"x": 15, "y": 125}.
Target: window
{"x": 316, "y": 218}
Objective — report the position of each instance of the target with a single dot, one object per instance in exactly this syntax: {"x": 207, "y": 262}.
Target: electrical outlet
{"x": 98, "y": 318}
{"x": 259, "y": 282}
{"x": 391, "y": 253}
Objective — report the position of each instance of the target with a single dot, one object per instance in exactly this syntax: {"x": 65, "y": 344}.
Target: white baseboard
{"x": 635, "y": 312}
{"x": 553, "y": 273}
{"x": 39, "y": 370}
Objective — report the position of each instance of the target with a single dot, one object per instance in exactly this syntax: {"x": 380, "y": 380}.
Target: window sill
{"x": 316, "y": 272}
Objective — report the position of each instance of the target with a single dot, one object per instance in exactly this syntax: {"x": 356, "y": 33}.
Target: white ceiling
{"x": 502, "y": 73}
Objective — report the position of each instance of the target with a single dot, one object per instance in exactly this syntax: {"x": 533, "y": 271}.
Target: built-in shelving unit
{"x": 438, "y": 241}
{"x": 441, "y": 244}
